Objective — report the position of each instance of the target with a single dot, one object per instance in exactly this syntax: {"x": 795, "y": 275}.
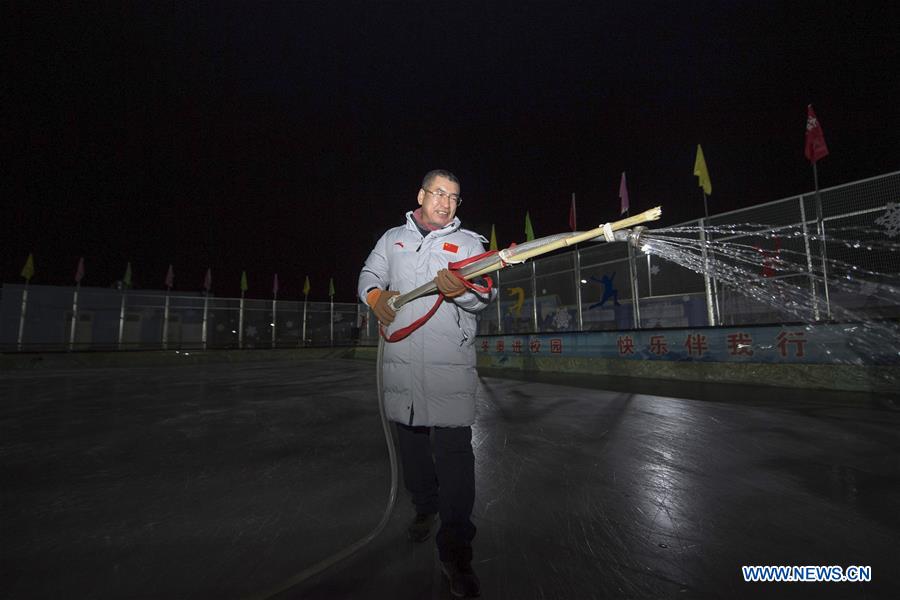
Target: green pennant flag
{"x": 244, "y": 281}
{"x": 529, "y": 231}
{"x": 493, "y": 239}
{"x": 28, "y": 269}
{"x": 306, "y": 287}
{"x": 126, "y": 280}
{"x": 331, "y": 287}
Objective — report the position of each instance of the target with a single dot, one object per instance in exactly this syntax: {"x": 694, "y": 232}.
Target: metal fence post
{"x": 635, "y": 300}
{"x": 205, "y": 315}
{"x": 241, "y": 322}
{"x": 303, "y": 331}
{"x": 122, "y": 317}
{"x": 165, "y": 331}
{"x": 579, "y": 322}
{"x": 809, "y": 266}
{"x": 820, "y": 223}
{"x": 74, "y": 317}
{"x": 22, "y": 317}
{"x": 274, "y": 318}
{"x": 710, "y": 308}
{"x": 534, "y": 315}
{"x": 499, "y": 312}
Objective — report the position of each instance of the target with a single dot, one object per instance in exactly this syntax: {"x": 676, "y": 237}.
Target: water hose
{"x": 334, "y": 559}
{"x": 468, "y": 270}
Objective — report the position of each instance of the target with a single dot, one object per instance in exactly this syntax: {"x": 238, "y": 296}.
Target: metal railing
{"x": 613, "y": 287}
{"x": 107, "y": 319}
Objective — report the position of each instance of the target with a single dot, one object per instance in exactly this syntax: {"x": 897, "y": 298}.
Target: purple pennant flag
{"x": 170, "y": 278}
{"x": 207, "y": 282}
{"x": 275, "y": 285}
{"x": 79, "y": 271}
{"x": 623, "y": 194}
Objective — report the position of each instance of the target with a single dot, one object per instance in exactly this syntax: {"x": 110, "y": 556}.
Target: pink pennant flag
{"x": 623, "y": 194}
{"x": 207, "y": 282}
{"x": 170, "y": 278}
{"x": 573, "y": 221}
{"x": 79, "y": 271}
{"x": 275, "y": 285}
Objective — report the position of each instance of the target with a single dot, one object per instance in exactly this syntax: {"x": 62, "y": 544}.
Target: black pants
{"x": 444, "y": 484}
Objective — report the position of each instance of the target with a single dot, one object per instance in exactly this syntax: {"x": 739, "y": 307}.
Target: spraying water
{"x": 772, "y": 266}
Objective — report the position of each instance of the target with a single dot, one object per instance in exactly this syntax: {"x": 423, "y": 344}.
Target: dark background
{"x": 285, "y": 137}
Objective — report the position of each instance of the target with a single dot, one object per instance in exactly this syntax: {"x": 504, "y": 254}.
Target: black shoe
{"x": 420, "y": 529}
{"x": 463, "y": 581}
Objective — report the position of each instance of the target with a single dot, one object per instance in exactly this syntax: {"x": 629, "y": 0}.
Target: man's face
{"x": 437, "y": 208}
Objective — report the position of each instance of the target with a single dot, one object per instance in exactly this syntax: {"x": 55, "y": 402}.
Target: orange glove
{"x": 448, "y": 284}
{"x": 377, "y": 301}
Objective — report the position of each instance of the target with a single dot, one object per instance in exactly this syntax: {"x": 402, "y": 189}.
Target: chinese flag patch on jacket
{"x": 451, "y": 247}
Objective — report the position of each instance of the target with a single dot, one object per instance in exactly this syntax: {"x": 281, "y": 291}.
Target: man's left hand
{"x": 448, "y": 284}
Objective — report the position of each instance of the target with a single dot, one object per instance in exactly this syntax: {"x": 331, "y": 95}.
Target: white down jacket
{"x": 429, "y": 377}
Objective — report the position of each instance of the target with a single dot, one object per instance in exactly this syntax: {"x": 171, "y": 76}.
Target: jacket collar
{"x": 445, "y": 230}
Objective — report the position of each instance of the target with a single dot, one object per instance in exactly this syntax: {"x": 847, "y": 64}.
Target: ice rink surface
{"x": 223, "y": 480}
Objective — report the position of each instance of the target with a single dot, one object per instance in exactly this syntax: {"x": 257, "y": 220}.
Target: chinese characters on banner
{"x": 776, "y": 343}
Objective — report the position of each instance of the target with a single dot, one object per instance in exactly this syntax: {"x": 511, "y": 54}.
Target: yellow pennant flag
{"x": 306, "y": 286}
{"x": 529, "y": 230}
{"x": 702, "y": 172}
{"x": 28, "y": 269}
{"x": 244, "y": 286}
{"x": 493, "y": 239}
{"x": 331, "y": 287}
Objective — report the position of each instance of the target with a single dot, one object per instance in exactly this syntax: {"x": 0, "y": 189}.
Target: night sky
{"x": 286, "y": 137}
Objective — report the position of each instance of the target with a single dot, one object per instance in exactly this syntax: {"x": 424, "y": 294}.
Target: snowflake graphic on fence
{"x": 890, "y": 220}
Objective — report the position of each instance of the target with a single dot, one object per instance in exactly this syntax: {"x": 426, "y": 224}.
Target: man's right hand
{"x": 378, "y": 302}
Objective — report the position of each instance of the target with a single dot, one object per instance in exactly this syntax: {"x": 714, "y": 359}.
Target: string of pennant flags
{"x": 815, "y": 149}
{"x": 28, "y": 271}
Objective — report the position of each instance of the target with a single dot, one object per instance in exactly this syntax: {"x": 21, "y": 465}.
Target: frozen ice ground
{"x": 222, "y": 480}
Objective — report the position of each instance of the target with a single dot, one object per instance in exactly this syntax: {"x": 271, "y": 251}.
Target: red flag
{"x": 623, "y": 194}
{"x": 207, "y": 282}
{"x": 79, "y": 271}
{"x": 170, "y": 278}
{"x": 815, "y": 139}
{"x": 573, "y": 222}
{"x": 275, "y": 285}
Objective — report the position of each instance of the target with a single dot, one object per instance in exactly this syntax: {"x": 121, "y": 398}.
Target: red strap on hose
{"x": 405, "y": 331}
{"x": 453, "y": 267}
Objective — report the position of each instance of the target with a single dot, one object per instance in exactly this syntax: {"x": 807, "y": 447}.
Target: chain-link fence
{"x": 600, "y": 287}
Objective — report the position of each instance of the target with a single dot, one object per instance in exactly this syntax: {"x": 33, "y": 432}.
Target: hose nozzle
{"x": 630, "y": 236}
{"x": 633, "y": 236}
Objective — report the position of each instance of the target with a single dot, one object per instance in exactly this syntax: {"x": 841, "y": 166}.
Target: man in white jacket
{"x": 429, "y": 377}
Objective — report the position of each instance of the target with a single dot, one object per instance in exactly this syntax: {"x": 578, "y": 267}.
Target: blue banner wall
{"x": 831, "y": 343}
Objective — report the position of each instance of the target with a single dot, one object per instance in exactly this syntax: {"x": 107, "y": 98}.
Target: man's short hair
{"x": 430, "y": 176}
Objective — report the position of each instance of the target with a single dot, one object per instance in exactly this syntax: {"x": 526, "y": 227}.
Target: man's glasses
{"x": 441, "y": 194}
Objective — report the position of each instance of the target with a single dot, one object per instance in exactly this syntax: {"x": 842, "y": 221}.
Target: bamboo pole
{"x": 530, "y": 250}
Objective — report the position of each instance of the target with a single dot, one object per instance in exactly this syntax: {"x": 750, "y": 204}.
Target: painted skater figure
{"x": 429, "y": 378}
{"x": 608, "y": 290}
